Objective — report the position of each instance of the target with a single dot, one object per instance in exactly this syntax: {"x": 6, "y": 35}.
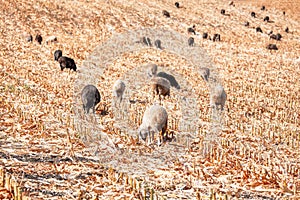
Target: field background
{"x": 40, "y": 151}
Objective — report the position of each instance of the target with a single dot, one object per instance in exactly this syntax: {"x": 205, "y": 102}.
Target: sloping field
{"x": 43, "y": 154}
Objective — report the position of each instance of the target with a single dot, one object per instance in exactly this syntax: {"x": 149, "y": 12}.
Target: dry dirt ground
{"x": 40, "y": 147}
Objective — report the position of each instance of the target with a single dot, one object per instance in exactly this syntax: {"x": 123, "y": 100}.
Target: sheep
{"x": 216, "y": 37}
{"x": 177, "y": 5}
{"x": 66, "y": 62}
{"x": 166, "y": 13}
{"x": 191, "y": 41}
{"x": 51, "y": 39}
{"x": 90, "y": 97}
{"x": 204, "y": 72}
{"x": 57, "y": 54}
{"x": 205, "y": 35}
{"x": 39, "y": 38}
{"x": 170, "y": 78}
{"x": 286, "y": 29}
{"x": 258, "y": 29}
{"x": 146, "y": 41}
{"x": 276, "y": 37}
{"x": 118, "y": 91}
{"x": 263, "y": 8}
{"x": 191, "y": 30}
{"x": 218, "y": 97}
{"x": 157, "y": 43}
{"x": 155, "y": 119}
{"x": 267, "y": 19}
{"x": 222, "y": 11}
{"x": 253, "y": 14}
{"x": 151, "y": 69}
{"x": 272, "y": 47}
{"x": 160, "y": 86}
{"x": 246, "y": 23}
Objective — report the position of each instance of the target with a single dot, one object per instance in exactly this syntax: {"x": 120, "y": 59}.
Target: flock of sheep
{"x": 155, "y": 118}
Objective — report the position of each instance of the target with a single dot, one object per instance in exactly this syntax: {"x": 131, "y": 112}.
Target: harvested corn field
{"x": 50, "y": 149}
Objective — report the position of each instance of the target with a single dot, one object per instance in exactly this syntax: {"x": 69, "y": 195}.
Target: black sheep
{"x": 258, "y": 29}
{"x": 90, "y": 97}
{"x": 276, "y": 37}
{"x": 177, "y": 4}
{"x": 216, "y": 37}
{"x": 57, "y": 54}
{"x": 263, "y": 8}
{"x": 286, "y": 29}
{"x": 157, "y": 43}
{"x": 146, "y": 41}
{"x": 170, "y": 78}
{"x": 38, "y": 38}
{"x": 223, "y": 12}
{"x": 246, "y": 23}
{"x": 191, "y": 41}
{"x": 66, "y": 62}
{"x": 191, "y": 30}
{"x": 267, "y": 19}
{"x": 166, "y": 13}
{"x": 253, "y": 14}
{"x": 272, "y": 47}
{"x": 205, "y": 35}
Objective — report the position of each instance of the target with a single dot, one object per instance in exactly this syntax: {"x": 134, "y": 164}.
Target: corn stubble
{"x": 42, "y": 156}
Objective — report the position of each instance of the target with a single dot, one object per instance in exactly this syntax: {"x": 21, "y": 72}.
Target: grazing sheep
{"x": 177, "y": 4}
{"x": 270, "y": 32}
{"x": 51, "y": 39}
{"x": 151, "y": 69}
{"x": 267, "y": 19}
{"x": 170, "y": 78}
{"x": 191, "y": 30}
{"x": 263, "y": 8}
{"x": 157, "y": 43}
{"x": 272, "y": 47}
{"x": 191, "y": 41}
{"x": 218, "y": 97}
{"x": 205, "y": 35}
{"x": 253, "y": 14}
{"x": 204, "y": 72}
{"x": 155, "y": 119}
{"x": 118, "y": 91}
{"x": 90, "y": 97}
{"x": 276, "y": 37}
{"x": 146, "y": 41}
{"x": 231, "y": 3}
{"x": 66, "y": 62}
{"x": 222, "y": 11}
{"x": 57, "y": 54}
{"x": 216, "y": 37}
{"x": 286, "y": 29}
{"x": 38, "y": 38}
{"x": 246, "y": 23}
{"x": 166, "y": 13}
{"x": 160, "y": 86}
{"x": 283, "y": 12}
{"x": 258, "y": 29}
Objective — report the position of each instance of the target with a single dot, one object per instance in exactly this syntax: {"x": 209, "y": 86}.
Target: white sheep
{"x": 218, "y": 97}
{"x": 151, "y": 69}
{"x": 118, "y": 91}
{"x": 155, "y": 119}
{"x": 204, "y": 72}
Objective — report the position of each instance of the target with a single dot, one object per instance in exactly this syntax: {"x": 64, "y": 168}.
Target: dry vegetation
{"x": 41, "y": 153}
